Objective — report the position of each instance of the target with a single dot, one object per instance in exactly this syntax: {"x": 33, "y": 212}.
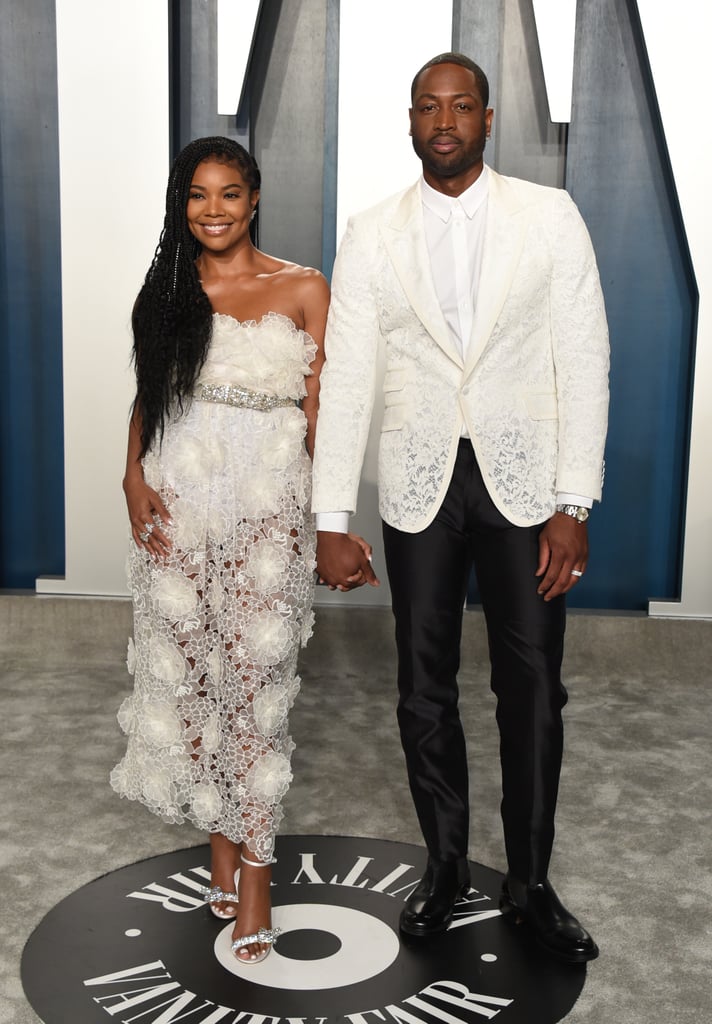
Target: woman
{"x": 228, "y": 346}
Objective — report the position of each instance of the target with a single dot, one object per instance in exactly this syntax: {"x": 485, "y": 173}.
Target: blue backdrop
{"x": 618, "y": 173}
{"x": 31, "y": 444}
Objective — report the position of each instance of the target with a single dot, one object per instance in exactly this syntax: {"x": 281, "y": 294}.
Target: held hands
{"x": 563, "y": 553}
{"x": 148, "y": 516}
{"x": 343, "y": 561}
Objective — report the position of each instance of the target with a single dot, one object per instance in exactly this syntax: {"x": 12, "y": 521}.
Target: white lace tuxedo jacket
{"x": 532, "y": 391}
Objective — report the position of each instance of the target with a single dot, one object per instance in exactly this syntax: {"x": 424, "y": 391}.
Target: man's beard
{"x": 450, "y": 165}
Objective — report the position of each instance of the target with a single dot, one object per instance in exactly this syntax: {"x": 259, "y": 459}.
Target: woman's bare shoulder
{"x": 289, "y": 270}
{"x": 298, "y": 279}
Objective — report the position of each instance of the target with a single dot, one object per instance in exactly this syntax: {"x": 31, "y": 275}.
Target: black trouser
{"x": 428, "y": 574}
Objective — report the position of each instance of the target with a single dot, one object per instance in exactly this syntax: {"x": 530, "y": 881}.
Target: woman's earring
{"x": 254, "y": 211}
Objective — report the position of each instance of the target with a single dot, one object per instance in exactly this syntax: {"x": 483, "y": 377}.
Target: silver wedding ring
{"x": 576, "y": 572}
{"x": 144, "y": 536}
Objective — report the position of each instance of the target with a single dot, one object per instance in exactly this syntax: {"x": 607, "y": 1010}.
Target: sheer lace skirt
{"x": 218, "y": 625}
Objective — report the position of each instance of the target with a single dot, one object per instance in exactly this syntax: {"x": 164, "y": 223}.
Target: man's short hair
{"x": 464, "y": 62}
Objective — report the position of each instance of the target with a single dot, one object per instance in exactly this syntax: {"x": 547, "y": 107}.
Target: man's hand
{"x": 563, "y": 553}
{"x": 343, "y": 561}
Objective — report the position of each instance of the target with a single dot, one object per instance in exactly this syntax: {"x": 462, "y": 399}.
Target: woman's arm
{"x": 315, "y": 305}
{"x": 144, "y": 504}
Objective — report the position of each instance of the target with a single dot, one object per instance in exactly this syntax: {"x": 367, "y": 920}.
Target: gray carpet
{"x": 634, "y": 846}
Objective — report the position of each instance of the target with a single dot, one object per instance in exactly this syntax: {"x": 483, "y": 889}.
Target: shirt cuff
{"x": 565, "y": 498}
{"x": 332, "y": 522}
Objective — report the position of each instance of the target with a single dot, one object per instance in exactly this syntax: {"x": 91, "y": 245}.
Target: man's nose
{"x": 444, "y": 121}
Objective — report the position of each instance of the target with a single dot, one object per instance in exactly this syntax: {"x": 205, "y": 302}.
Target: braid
{"x": 172, "y": 316}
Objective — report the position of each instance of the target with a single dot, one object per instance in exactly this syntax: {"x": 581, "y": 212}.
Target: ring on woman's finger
{"x": 144, "y": 536}
{"x": 148, "y": 527}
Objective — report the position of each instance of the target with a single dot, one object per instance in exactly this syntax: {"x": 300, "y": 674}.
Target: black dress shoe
{"x": 554, "y": 928}
{"x": 430, "y": 908}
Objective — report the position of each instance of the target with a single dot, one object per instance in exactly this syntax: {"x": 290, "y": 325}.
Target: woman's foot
{"x": 255, "y": 922}
{"x": 224, "y": 863}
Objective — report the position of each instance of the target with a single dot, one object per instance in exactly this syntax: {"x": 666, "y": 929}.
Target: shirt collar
{"x": 470, "y": 200}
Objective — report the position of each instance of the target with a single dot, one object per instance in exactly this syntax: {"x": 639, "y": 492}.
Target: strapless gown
{"x": 218, "y": 625}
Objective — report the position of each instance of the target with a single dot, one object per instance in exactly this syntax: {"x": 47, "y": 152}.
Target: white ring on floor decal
{"x": 368, "y": 946}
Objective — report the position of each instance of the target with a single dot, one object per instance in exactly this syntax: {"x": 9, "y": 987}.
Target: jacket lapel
{"x": 504, "y": 238}
{"x": 404, "y": 238}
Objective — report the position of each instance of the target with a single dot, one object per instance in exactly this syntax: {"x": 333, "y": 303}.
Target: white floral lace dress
{"x": 218, "y": 625}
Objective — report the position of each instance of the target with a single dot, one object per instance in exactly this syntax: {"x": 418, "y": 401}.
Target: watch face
{"x": 582, "y": 515}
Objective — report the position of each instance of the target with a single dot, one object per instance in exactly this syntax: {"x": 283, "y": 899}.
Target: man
{"x": 484, "y": 292}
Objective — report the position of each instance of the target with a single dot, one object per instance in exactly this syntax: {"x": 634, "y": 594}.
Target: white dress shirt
{"x": 455, "y": 235}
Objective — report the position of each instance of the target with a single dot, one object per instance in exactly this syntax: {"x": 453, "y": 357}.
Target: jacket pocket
{"x": 396, "y": 403}
{"x": 542, "y": 406}
{"x": 394, "y": 380}
{"x": 393, "y": 417}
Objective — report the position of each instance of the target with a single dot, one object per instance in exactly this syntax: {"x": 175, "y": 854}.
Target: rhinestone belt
{"x": 231, "y": 394}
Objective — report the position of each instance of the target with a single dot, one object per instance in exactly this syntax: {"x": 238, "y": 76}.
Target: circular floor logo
{"x": 138, "y": 946}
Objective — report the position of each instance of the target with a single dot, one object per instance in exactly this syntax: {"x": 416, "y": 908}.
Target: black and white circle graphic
{"x": 138, "y": 946}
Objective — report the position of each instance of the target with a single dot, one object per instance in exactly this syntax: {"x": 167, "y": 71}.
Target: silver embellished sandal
{"x": 214, "y": 895}
{"x": 265, "y": 936}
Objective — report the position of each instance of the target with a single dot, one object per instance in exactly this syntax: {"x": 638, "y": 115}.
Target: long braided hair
{"x": 172, "y": 316}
